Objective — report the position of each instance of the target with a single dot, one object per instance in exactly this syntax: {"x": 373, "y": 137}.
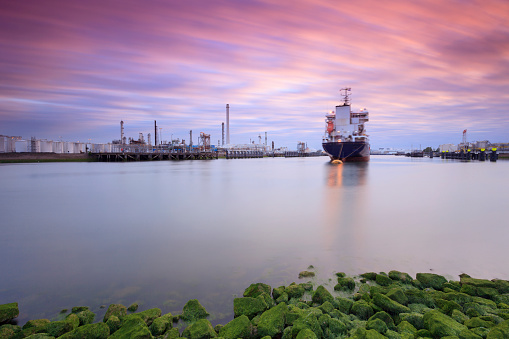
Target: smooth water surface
{"x": 161, "y": 233}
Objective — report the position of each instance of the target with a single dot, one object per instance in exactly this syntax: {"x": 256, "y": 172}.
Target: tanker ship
{"x": 345, "y": 138}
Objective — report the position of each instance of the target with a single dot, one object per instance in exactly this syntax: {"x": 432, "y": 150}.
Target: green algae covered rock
{"x": 406, "y": 327}
{"x": 500, "y": 331}
{"x": 385, "y": 317}
{"x": 8, "y": 312}
{"x": 326, "y": 307}
{"x": 441, "y": 325}
{"x": 295, "y": 291}
{"x": 377, "y": 324}
{"x": 58, "y": 328}
{"x": 344, "y": 305}
{"x": 416, "y": 319}
{"x": 9, "y": 331}
{"x": 369, "y": 275}
{"x": 147, "y": 316}
{"x": 337, "y": 327}
{"x": 161, "y": 324}
{"x": 193, "y": 311}
{"x": 171, "y": 334}
{"x": 431, "y": 280}
{"x": 113, "y": 323}
{"x": 306, "y": 274}
{"x": 36, "y": 323}
{"x": 405, "y": 278}
{"x": 90, "y": 331}
{"x": 248, "y": 306}
{"x": 117, "y": 310}
{"x": 133, "y": 307}
{"x": 345, "y": 283}
{"x": 478, "y": 322}
{"x": 321, "y": 295}
{"x": 272, "y": 321}
{"x": 239, "y": 327}
{"x": 134, "y": 328}
{"x": 416, "y": 296}
{"x": 278, "y": 291}
{"x": 309, "y": 322}
{"x": 306, "y": 334}
{"x": 362, "y": 310}
{"x": 468, "y": 334}
{"x": 383, "y": 280}
{"x": 201, "y": 329}
{"x": 389, "y": 305}
{"x": 398, "y": 295}
{"x": 85, "y": 317}
{"x": 74, "y": 320}
{"x": 255, "y": 290}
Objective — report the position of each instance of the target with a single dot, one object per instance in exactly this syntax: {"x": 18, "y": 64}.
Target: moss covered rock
{"x": 133, "y": 307}
{"x": 248, "y": 306}
{"x": 148, "y": 316}
{"x": 478, "y": 322}
{"x": 383, "y": 280}
{"x": 500, "y": 331}
{"x": 405, "y": 278}
{"x": 344, "y": 305}
{"x": 58, "y": 328}
{"x": 239, "y": 327}
{"x": 86, "y": 317}
{"x": 272, "y": 321}
{"x": 389, "y": 305}
{"x": 201, "y": 329}
{"x": 406, "y": 327}
{"x": 306, "y": 334}
{"x": 90, "y": 331}
{"x": 9, "y": 330}
{"x": 133, "y": 327}
{"x": 321, "y": 295}
{"x": 36, "y": 323}
{"x": 8, "y": 312}
{"x": 255, "y": 290}
{"x": 113, "y": 323}
{"x": 278, "y": 291}
{"x": 306, "y": 274}
{"x": 117, "y": 310}
{"x": 416, "y": 319}
{"x": 385, "y": 317}
{"x": 161, "y": 325}
{"x": 416, "y": 296}
{"x": 74, "y": 320}
{"x": 369, "y": 275}
{"x": 441, "y": 325}
{"x": 431, "y": 280}
{"x": 345, "y": 283}
{"x": 362, "y": 310}
{"x": 193, "y": 311}
{"x": 398, "y": 295}
{"x": 171, "y": 334}
{"x": 308, "y": 322}
{"x": 377, "y": 324}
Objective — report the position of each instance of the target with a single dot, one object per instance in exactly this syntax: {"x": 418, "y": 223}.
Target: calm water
{"x": 161, "y": 233}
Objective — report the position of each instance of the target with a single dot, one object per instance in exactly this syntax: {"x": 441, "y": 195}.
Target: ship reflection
{"x": 347, "y": 174}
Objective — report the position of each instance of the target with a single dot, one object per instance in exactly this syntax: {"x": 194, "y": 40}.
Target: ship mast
{"x": 346, "y": 95}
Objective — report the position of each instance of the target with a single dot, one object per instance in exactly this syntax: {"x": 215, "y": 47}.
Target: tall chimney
{"x": 227, "y": 124}
{"x": 265, "y": 138}
{"x": 191, "y": 138}
{"x": 121, "y": 131}
{"x": 155, "y": 133}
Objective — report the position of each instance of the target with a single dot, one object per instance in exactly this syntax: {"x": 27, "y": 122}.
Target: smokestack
{"x": 265, "y": 138}
{"x": 155, "y": 133}
{"x": 121, "y": 131}
{"x": 227, "y": 124}
{"x": 191, "y": 138}
{"x": 222, "y": 131}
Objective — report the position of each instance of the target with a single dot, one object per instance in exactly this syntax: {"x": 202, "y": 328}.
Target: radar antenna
{"x": 346, "y": 95}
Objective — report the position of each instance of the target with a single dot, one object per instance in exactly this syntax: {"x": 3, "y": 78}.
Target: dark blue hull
{"x": 347, "y": 151}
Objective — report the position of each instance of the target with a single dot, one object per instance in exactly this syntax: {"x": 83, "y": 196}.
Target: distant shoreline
{"x": 23, "y": 157}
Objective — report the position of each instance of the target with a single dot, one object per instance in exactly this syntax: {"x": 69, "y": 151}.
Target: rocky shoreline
{"x": 371, "y": 305}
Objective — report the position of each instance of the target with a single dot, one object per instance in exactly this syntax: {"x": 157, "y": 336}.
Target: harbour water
{"x": 160, "y": 233}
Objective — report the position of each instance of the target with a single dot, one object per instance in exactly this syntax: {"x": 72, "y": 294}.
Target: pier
{"x": 154, "y": 156}
{"x": 474, "y": 154}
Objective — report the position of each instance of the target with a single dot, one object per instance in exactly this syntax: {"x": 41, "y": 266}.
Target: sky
{"x": 425, "y": 70}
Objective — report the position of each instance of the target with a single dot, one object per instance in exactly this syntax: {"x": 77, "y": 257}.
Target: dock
{"x": 154, "y": 156}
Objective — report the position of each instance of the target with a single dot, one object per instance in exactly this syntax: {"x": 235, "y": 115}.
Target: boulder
{"x": 321, "y": 295}
{"x": 431, "y": 280}
{"x": 193, "y": 311}
{"x": 58, "y": 328}
{"x": 117, "y": 310}
{"x": 255, "y": 290}
{"x": 405, "y": 278}
{"x": 147, "y": 316}
{"x": 342, "y": 304}
{"x": 133, "y": 328}
{"x": 345, "y": 283}
{"x": 406, "y": 327}
{"x": 200, "y": 329}
{"x": 36, "y": 323}
{"x": 478, "y": 322}
{"x": 9, "y": 331}
{"x": 416, "y": 296}
{"x": 308, "y": 322}
{"x": 294, "y": 291}
{"x": 441, "y": 325}
{"x": 161, "y": 325}
{"x": 239, "y": 327}
{"x": 113, "y": 323}
{"x": 385, "y": 317}
{"x": 90, "y": 331}
{"x": 389, "y": 305}
{"x": 383, "y": 280}
{"x": 306, "y": 274}
{"x": 8, "y": 312}
{"x": 133, "y": 307}
{"x": 248, "y": 306}
{"x": 85, "y": 317}
{"x": 74, "y": 320}
{"x": 398, "y": 295}
{"x": 499, "y": 331}
{"x": 369, "y": 275}
{"x": 377, "y": 324}
{"x": 416, "y": 319}
{"x": 272, "y": 321}
{"x": 362, "y": 310}
{"x": 337, "y": 327}
{"x": 306, "y": 334}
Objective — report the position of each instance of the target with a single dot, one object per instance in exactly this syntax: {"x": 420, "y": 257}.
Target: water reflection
{"x": 349, "y": 174}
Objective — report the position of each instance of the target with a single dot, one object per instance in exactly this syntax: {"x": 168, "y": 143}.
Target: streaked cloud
{"x": 425, "y": 70}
